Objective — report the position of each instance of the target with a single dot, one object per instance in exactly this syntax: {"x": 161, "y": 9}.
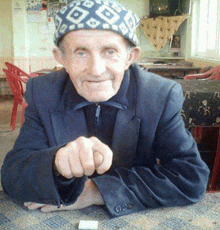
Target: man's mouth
{"x": 97, "y": 81}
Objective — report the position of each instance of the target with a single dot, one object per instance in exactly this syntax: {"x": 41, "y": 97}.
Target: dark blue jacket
{"x": 156, "y": 161}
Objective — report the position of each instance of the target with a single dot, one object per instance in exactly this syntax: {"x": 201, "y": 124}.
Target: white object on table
{"x": 88, "y": 224}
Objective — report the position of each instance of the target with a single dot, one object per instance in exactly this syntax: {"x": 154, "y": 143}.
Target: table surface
{"x": 167, "y": 66}
{"x": 44, "y": 71}
{"x": 202, "y": 102}
{"x": 203, "y": 86}
{"x": 203, "y": 215}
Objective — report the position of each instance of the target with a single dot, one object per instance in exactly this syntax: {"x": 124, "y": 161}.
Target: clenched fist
{"x": 82, "y": 157}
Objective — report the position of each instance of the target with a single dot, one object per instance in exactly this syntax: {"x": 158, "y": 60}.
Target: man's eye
{"x": 111, "y": 52}
{"x": 81, "y": 54}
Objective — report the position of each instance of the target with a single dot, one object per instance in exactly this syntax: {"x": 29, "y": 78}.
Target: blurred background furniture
{"x": 169, "y": 70}
{"x": 17, "y": 79}
{"x": 47, "y": 71}
{"x": 43, "y": 71}
{"x": 15, "y": 83}
{"x": 14, "y": 69}
{"x": 201, "y": 110}
{"x": 212, "y": 74}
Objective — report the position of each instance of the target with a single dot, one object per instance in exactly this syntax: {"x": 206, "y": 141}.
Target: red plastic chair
{"x": 212, "y": 74}
{"x": 14, "y": 69}
{"x": 15, "y": 83}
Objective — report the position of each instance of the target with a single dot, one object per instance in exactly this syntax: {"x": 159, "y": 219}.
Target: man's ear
{"x": 132, "y": 56}
{"x": 58, "y": 56}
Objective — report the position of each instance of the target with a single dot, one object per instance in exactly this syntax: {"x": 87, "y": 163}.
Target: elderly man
{"x": 101, "y": 131}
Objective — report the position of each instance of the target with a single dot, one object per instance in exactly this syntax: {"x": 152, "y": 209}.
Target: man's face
{"x": 96, "y": 61}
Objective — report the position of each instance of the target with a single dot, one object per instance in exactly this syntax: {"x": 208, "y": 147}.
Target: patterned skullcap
{"x": 96, "y": 14}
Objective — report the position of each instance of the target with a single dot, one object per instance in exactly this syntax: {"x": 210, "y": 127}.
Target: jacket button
{"x": 118, "y": 209}
{"x": 130, "y": 206}
{"x": 124, "y": 207}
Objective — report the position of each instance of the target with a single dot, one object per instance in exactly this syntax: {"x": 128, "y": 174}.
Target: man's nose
{"x": 97, "y": 65}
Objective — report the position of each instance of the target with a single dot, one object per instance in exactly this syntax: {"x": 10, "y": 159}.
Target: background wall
{"x": 141, "y": 8}
{"x": 6, "y": 32}
{"x": 27, "y": 36}
{"x": 40, "y": 31}
{"x": 6, "y": 29}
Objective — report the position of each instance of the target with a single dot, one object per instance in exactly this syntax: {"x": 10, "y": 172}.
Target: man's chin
{"x": 98, "y": 97}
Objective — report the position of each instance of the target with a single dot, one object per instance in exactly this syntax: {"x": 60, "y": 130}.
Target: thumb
{"x": 98, "y": 159}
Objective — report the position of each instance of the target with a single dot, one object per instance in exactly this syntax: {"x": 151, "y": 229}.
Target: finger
{"x": 86, "y": 156}
{"x": 33, "y": 206}
{"x": 50, "y": 208}
{"x": 62, "y": 162}
{"x": 26, "y": 204}
{"x": 54, "y": 208}
{"x": 105, "y": 151}
{"x": 87, "y": 161}
{"x": 98, "y": 159}
{"x": 106, "y": 163}
{"x": 75, "y": 164}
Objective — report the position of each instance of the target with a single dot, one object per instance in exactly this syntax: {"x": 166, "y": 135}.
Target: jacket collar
{"x": 73, "y": 101}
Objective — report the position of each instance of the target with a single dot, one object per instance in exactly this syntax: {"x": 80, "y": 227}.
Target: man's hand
{"x": 82, "y": 157}
{"x": 89, "y": 196}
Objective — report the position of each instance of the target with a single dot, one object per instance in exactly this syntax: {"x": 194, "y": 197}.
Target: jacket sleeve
{"x": 27, "y": 172}
{"x": 178, "y": 178}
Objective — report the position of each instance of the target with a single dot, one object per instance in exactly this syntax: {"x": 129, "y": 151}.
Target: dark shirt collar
{"x": 119, "y": 101}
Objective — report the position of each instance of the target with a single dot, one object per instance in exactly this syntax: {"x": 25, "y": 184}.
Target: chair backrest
{"x": 15, "y": 84}
{"x": 212, "y": 74}
{"x": 14, "y": 69}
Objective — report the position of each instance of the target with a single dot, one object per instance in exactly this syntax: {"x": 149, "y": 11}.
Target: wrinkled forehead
{"x": 93, "y": 34}
{"x": 99, "y": 15}
{"x": 93, "y": 39}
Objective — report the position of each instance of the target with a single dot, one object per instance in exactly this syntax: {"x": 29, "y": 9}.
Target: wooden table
{"x": 43, "y": 71}
{"x": 169, "y": 70}
{"x": 201, "y": 216}
{"x": 46, "y": 71}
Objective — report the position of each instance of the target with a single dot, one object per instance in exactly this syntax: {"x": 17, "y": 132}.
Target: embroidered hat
{"x": 96, "y": 14}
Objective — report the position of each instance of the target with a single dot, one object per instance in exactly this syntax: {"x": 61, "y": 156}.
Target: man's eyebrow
{"x": 81, "y": 48}
{"x": 110, "y": 46}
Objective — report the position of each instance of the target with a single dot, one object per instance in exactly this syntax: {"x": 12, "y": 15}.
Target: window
{"x": 206, "y": 29}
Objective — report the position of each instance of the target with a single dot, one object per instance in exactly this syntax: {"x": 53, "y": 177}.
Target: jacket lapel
{"x": 68, "y": 122}
{"x": 125, "y": 139}
{"x": 126, "y": 130}
{"x": 68, "y": 125}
